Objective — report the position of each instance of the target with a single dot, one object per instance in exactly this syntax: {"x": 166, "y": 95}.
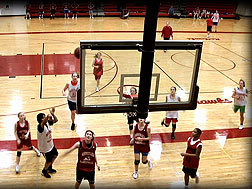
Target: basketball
{"x": 77, "y": 52}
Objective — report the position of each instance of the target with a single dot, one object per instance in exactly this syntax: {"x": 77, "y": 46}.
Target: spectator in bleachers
{"x": 171, "y": 11}
{"x": 41, "y": 10}
{"x": 66, "y": 10}
{"x": 28, "y": 10}
{"x": 216, "y": 20}
{"x": 91, "y": 11}
{"x": 53, "y": 8}
{"x": 75, "y": 9}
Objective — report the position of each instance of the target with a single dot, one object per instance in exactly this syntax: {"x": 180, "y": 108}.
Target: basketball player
{"x": 75, "y": 9}
{"x": 45, "y": 141}
{"x": 171, "y": 116}
{"x": 66, "y": 10}
{"x": 98, "y": 69}
{"x": 41, "y": 10}
{"x": 90, "y": 11}
{"x": 72, "y": 87}
{"x": 192, "y": 157}
{"x": 86, "y": 159}
{"x": 142, "y": 136}
{"x": 23, "y": 137}
{"x": 240, "y": 101}
{"x": 209, "y": 26}
{"x": 216, "y": 19}
{"x": 53, "y": 8}
{"x": 28, "y": 11}
{"x": 131, "y": 116}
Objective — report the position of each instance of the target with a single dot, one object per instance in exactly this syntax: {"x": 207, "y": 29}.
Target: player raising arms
{"x": 240, "y": 101}
{"x": 23, "y": 137}
{"x": 45, "y": 141}
{"x": 142, "y": 136}
{"x": 86, "y": 159}
{"x": 72, "y": 87}
{"x": 192, "y": 157}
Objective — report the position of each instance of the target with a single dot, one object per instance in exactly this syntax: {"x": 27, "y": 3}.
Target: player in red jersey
{"x": 86, "y": 159}
{"x": 209, "y": 26}
{"x": 142, "y": 136}
{"x": 23, "y": 137}
{"x": 167, "y": 32}
{"x": 98, "y": 69}
{"x": 192, "y": 156}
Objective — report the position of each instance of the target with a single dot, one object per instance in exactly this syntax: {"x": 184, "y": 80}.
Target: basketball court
{"x": 225, "y": 59}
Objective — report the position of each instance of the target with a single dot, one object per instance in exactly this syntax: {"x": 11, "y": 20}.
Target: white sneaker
{"x": 150, "y": 164}
{"x": 241, "y": 127}
{"x": 135, "y": 175}
{"x": 97, "y": 89}
{"x": 38, "y": 152}
{"x": 17, "y": 169}
{"x": 197, "y": 179}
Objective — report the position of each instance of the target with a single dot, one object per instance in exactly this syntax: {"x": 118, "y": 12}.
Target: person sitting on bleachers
{"x": 171, "y": 11}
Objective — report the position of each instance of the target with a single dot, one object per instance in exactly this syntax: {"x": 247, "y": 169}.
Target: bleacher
{"x": 138, "y": 8}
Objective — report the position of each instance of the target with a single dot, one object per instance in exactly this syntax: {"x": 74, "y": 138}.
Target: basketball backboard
{"x": 176, "y": 63}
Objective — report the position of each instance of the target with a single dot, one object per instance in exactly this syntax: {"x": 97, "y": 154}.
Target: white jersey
{"x": 72, "y": 95}
{"x": 45, "y": 141}
{"x": 241, "y": 101}
{"x": 172, "y": 114}
{"x": 216, "y": 17}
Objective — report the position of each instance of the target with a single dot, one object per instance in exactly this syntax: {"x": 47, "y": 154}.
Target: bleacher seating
{"x": 138, "y": 8}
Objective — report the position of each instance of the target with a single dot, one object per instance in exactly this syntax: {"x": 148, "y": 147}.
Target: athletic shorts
{"x": 131, "y": 119}
{"x": 190, "y": 171}
{"x": 143, "y": 153}
{"x": 50, "y": 155}
{"x": 71, "y": 105}
{"x": 97, "y": 77}
{"x": 166, "y": 38}
{"x": 26, "y": 142}
{"x": 209, "y": 28}
{"x": 90, "y": 176}
{"x": 169, "y": 120}
{"x": 242, "y": 108}
{"x": 53, "y": 11}
{"x": 215, "y": 23}
{"x": 66, "y": 11}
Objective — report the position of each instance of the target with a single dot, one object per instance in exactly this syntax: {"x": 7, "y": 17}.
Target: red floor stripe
{"x": 123, "y": 140}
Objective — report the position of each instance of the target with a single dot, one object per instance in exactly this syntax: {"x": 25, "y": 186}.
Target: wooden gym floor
{"x": 226, "y": 156}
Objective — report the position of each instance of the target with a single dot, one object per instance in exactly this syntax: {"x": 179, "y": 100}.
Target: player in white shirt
{"x": 171, "y": 116}
{"x": 45, "y": 141}
{"x": 240, "y": 101}
{"x": 72, "y": 87}
{"x": 216, "y": 20}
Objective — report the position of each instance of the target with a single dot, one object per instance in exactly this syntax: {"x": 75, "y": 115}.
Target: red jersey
{"x": 22, "y": 131}
{"x": 192, "y": 162}
{"x": 86, "y": 157}
{"x": 142, "y": 146}
{"x": 209, "y": 22}
{"x": 167, "y": 32}
{"x": 98, "y": 71}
